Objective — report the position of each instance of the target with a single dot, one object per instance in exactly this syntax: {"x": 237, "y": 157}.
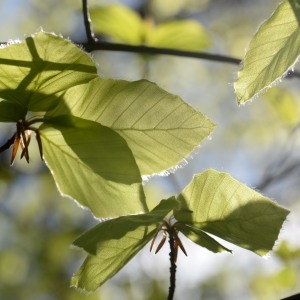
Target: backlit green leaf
{"x": 184, "y": 35}
{"x": 284, "y": 104}
{"x": 114, "y": 243}
{"x": 33, "y": 70}
{"x": 272, "y": 52}
{"x": 119, "y": 23}
{"x": 118, "y": 227}
{"x": 220, "y": 205}
{"x": 159, "y": 127}
{"x": 93, "y": 164}
{"x": 122, "y": 24}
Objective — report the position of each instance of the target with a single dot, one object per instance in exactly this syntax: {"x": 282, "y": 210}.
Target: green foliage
{"x": 124, "y": 25}
{"x": 100, "y": 135}
{"x": 118, "y": 22}
{"x": 213, "y": 203}
{"x": 93, "y": 164}
{"x": 273, "y": 50}
{"x": 34, "y": 70}
{"x": 284, "y": 105}
{"x": 114, "y": 242}
{"x": 220, "y": 205}
{"x": 146, "y": 116}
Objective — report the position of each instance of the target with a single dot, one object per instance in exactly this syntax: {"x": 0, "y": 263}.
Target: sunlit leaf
{"x": 159, "y": 127}
{"x": 288, "y": 252}
{"x": 93, "y": 164}
{"x": 220, "y": 205}
{"x": 33, "y": 70}
{"x": 272, "y": 52}
{"x": 284, "y": 104}
{"x": 122, "y": 24}
{"x": 118, "y": 22}
{"x": 184, "y": 35}
{"x": 114, "y": 243}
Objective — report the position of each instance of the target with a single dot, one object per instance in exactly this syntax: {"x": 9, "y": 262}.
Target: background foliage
{"x": 253, "y": 143}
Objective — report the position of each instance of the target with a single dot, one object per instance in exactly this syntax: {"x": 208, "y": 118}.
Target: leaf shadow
{"x": 254, "y": 226}
{"x": 98, "y": 147}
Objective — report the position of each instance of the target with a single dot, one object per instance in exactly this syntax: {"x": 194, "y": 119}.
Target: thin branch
{"x": 87, "y": 23}
{"x": 268, "y": 180}
{"x": 7, "y": 145}
{"x": 154, "y": 50}
{"x": 172, "y": 267}
{"x": 141, "y": 49}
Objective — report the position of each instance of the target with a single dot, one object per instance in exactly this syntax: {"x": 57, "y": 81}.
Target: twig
{"x": 7, "y": 145}
{"x": 96, "y": 45}
{"x": 172, "y": 267}
{"x": 87, "y": 23}
{"x": 154, "y": 50}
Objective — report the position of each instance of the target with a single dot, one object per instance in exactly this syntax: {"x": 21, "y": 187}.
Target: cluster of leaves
{"x": 99, "y": 136}
{"x": 213, "y": 203}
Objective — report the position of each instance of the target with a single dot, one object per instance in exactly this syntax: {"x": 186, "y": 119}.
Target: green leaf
{"x": 119, "y": 23}
{"x": 122, "y": 24}
{"x": 115, "y": 242}
{"x": 159, "y": 127}
{"x": 184, "y": 35}
{"x": 220, "y": 205}
{"x": 118, "y": 227}
{"x": 272, "y": 52}
{"x": 284, "y": 104}
{"x": 93, "y": 164}
{"x": 201, "y": 238}
{"x": 33, "y": 70}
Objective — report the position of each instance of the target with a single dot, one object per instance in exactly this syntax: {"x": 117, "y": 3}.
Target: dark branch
{"x": 8, "y": 143}
{"x": 96, "y": 45}
{"x": 172, "y": 267}
{"x": 154, "y": 50}
{"x": 87, "y": 23}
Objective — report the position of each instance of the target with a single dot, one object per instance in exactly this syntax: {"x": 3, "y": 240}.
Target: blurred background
{"x": 258, "y": 143}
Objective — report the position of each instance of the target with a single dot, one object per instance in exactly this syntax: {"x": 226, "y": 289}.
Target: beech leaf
{"x": 273, "y": 51}
{"x": 216, "y": 203}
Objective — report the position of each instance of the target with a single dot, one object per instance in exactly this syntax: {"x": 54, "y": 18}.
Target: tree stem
{"x": 87, "y": 23}
{"x": 172, "y": 268}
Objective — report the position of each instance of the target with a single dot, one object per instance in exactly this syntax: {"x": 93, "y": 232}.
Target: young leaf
{"x": 284, "y": 105}
{"x": 216, "y": 203}
{"x": 154, "y": 123}
{"x": 184, "y": 35}
{"x": 122, "y": 24}
{"x": 272, "y": 52}
{"x": 93, "y": 164}
{"x": 119, "y": 23}
{"x": 114, "y": 243}
{"x": 113, "y": 255}
{"x": 33, "y": 70}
